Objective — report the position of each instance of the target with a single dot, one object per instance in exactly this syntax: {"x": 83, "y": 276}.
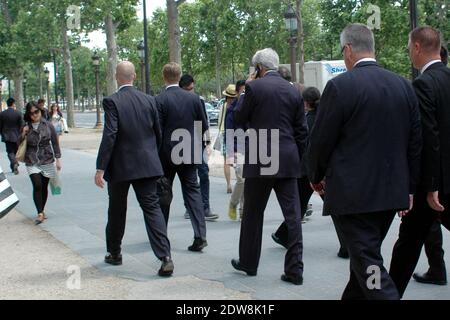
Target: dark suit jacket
{"x": 310, "y": 119}
{"x": 433, "y": 90}
{"x": 273, "y": 103}
{"x": 366, "y": 142}
{"x": 10, "y": 125}
{"x": 129, "y": 148}
{"x": 180, "y": 109}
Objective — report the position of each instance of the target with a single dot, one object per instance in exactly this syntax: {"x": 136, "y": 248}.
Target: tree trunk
{"x": 110, "y": 30}
{"x": 218, "y": 71}
{"x": 18, "y": 88}
{"x": 174, "y": 31}
{"x": 300, "y": 44}
{"x": 68, "y": 76}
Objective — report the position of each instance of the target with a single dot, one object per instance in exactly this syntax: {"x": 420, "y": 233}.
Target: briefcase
{"x": 8, "y": 199}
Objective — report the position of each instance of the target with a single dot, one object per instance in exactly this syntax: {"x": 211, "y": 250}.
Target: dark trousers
{"x": 40, "y": 191}
{"x": 145, "y": 190}
{"x": 203, "y": 175}
{"x": 11, "y": 150}
{"x": 364, "y": 234}
{"x": 305, "y": 193}
{"x": 187, "y": 173}
{"x": 414, "y": 230}
{"x": 435, "y": 252}
{"x": 257, "y": 192}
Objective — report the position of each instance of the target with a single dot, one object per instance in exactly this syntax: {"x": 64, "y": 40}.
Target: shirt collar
{"x": 429, "y": 64}
{"x": 172, "y": 85}
{"x": 364, "y": 60}
{"x": 125, "y": 85}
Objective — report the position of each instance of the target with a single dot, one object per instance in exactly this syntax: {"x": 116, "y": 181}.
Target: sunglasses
{"x": 35, "y": 113}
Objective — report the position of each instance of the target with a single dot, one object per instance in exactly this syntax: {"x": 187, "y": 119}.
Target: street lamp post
{"x": 141, "y": 52}
{"x": 413, "y": 18}
{"x": 96, "y": 63}
{"x": 25, "y": 88}
{"x": 47, "y": 76}
{"x": 290, "y": 18}
{"x": 148, "y": 88}
{"x": 56, "y": 74}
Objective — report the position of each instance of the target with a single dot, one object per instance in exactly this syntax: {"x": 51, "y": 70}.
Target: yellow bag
{"x": 20, "y": 155}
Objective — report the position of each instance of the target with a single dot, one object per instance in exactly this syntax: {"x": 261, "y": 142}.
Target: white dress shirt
{"x": 125, "y": 85}
{"x": 429, "y": 64}
{"x": 172, "y": 85}
{"x": 364, "y": 60}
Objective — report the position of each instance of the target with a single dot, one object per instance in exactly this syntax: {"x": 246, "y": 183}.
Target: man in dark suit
{"x": 187, "y": 83}
{"x": 183, "y": 124}
{"x": 432, "y": 200}
{"x": 436, "y": 273}
{"x": 274, "y": 114}
{"x": 128, "y": 156}
{"x": 365, "y": 145}
{"x": 10, "y": 125}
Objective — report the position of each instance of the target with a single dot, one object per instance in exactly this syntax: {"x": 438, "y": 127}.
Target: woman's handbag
{"x": 8, "y": 198}
{"x": 20, "y": 155}
{"x": 218, "y": 143}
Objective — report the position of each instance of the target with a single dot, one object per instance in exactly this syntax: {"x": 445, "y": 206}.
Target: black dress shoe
{"x": 297, "y": 280}
{"x": 237, "y": 265}
{"x": 278, "y": 240}
{"x": 427, "y": 278}
{"x": 198, "y": 245}
{"x": 115, "y": 260}
{"x": 343, "y": 254}
{"x": 166, "y": 267}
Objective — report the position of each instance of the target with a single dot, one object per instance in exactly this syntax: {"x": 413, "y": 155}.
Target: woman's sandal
{"x": 40, "y": 219}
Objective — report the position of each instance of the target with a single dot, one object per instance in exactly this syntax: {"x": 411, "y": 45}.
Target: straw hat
{"x": 230, "y": 91}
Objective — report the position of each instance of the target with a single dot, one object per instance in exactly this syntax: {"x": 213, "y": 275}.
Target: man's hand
{"x": 403, "y": 213}
{"x": 433, "y": 201}
{"x": 319, "y": 188}
{"x": 99, "y": 179}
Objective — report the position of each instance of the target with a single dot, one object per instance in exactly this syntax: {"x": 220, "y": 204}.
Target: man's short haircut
{"x": 285, "y": 73}
{"x": 10, "y": 102}
{"x": 360, "y": 37}
{"x": 268, "y": 58}
{"x": 186, "y": 81}
{"x": 41, "y": 101}
{"x": 428, "y": 38}
{"x": 172, "y": 72}
{"x": 444, "y": 55}
{"x": 239, "y": 85}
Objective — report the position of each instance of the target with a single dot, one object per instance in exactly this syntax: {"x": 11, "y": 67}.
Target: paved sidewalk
{"x": 77, "y": 219}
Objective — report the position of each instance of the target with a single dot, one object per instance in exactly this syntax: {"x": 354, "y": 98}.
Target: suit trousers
{"x": 414, "y": 230}
{"x": 11, "y": 150}
{"x": 257, "y": 192}
{"x": 146, "y": 195}
{"x": 305, "y": 193}
{"x": 435, "y": 252}
{"x": 187, "y": 173}
{"x": 364, "y": 234}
